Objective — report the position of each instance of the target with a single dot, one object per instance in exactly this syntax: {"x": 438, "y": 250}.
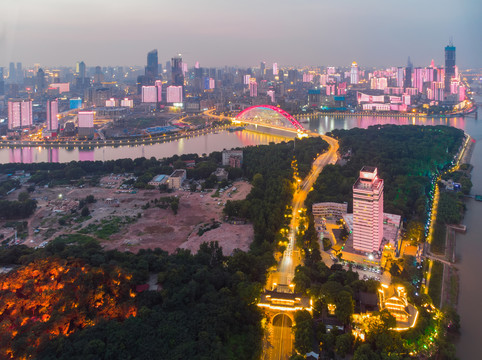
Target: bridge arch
{"x": 281, "y": 112}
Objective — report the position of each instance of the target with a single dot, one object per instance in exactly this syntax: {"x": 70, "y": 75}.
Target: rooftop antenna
{"x": 451, "y": 41}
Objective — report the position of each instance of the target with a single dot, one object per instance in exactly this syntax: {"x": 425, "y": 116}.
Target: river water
{"x": 469, "y": 245}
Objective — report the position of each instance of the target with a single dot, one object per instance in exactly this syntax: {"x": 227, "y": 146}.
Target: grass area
{"x": 435, "y": 285}
{"x": 438, "y": 241}
{"x": 107, "y": 227}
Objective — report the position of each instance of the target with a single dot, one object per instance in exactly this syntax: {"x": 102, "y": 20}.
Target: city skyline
{"x": 224, "y": 33}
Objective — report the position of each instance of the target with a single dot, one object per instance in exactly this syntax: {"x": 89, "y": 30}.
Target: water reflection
{"x": 201, "y": 144}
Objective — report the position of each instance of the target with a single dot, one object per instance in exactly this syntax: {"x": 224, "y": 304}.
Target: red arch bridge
{"x": 270, "y": 116}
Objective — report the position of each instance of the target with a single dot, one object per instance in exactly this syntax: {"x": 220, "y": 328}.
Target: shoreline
{"x": 103, "y": 143}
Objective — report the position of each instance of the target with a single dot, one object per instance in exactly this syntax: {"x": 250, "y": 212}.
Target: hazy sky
{"x": 244, "y": 32}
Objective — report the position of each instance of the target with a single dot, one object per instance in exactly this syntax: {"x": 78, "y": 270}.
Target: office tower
{"x": 262, "y": 68}
{"x": 19, "y": 114}
{"x": 449, "y": 65}
{"x": 11, "y": 72}
{"x": 275, "y": 69}
{"x": 408, "y": 74}
{"x": 52, "y": 112}
{"x": 176, "y": 71}
{"x": 40, "y": 80}
{"x": 270, "y": 94}
{"x": 98, "y": 75}
{"x": 354, "y": 73}
{"x": 174, "y": 94}
{"x": 247, "y": 79}
{"x": 253, "y": 88}
{"x": 19, "y": 72}
{"x": 86, "y": 124}
{"x": 81, "y": 70}
{"x": 368, "y": 211}
{"x": 152, "y": 67}
{"x": 158, "y": 85}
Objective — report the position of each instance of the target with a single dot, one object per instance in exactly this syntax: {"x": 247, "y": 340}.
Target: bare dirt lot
{"x": 156, "y": 227}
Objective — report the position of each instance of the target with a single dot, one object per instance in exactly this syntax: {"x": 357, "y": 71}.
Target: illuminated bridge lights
{"x": 281, "y": 112}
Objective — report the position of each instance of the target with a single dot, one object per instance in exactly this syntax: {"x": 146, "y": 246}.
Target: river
{"x": 469, "y": 246}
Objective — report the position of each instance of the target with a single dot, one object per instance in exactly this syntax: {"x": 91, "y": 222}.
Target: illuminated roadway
{"x": 282, "y": 338}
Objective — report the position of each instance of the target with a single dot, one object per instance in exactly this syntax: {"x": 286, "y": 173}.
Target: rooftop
{"x": 178, "y": 173}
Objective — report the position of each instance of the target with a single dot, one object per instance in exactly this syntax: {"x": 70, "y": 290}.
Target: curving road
{"x": 282, "y": 340}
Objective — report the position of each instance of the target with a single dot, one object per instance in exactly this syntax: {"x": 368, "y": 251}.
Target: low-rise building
{"x": 221, "y": 174}
{"x": 158, "y": 180}
{"x": 233, "y": 158}
{"x": 176, "y": 179}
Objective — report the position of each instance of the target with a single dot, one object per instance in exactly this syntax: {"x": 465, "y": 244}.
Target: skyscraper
{"x": 86, "y": 123}
{"x": 174, "y": 94}
{"x": 368, "y": 210}
{"x": 176, "y": 71}
{"x": 262, "y": 67}
{"x": 449, "y": 65}
{"x": 11, "y": 72}
{"x": 408, "y": 74}
{"x": 354, "y": 73}
{"x": 152, "y": 68}
{"x": 275, "y": 69}
{"x": 52, "y": 111}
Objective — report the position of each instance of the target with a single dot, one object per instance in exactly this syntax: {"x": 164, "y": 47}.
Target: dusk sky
{"x": 227, "y": 32}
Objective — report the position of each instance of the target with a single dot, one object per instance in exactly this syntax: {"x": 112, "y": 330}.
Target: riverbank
{"x": 118, "y": 142}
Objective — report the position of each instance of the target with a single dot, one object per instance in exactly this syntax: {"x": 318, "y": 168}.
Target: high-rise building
{"x": 152, "y": 68}
{"x": 271, "y": 95}
{"x": 275, "y": 69}
{"x": 19, "y": 114}
{"x": 19, "y": 72}
{"x": 368, "y": 211}
{"x": 247, "y": 78}
{"x": 408, "y": 74}
{"x": 11, "y": 72}
{"x": 253, "y": 88}
{"x": 400, "y": 77}
{"x": 262, "y": 68}
{"x": 174, "y": 94}
{"x": 149, "y": 94}
{"x": 449, "y": 65}
{"x": 354, "y": 73}
{"x": 176, "y": 71}
{"x": 86, "y": 123}
{"x": 418, "y": 75}
{"x": 52, "y": 112}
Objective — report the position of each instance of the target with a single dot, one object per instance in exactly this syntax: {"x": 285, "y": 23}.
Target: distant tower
{"x": 368, "y": 210}
{"x": 176, "y": 71}
{"x": 354, "y": 73}
{"x": 408, "y": 74}
{"x": 152, "y": 68}
{"x": 275, "y": 69}
{"x": 11, "y": 72}
{"x": 262, "y": 68}
{"x": 449, "y": 65}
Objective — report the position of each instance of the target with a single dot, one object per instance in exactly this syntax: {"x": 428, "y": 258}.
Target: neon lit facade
{"x": 19, "y": 114}
{"x": 52, "y": 112}
{"x": 354, "y": 73}
{"x": 368, "y": 210}
{"x": 246, "y": 112}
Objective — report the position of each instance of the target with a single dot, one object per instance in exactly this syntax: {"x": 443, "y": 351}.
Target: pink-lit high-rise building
{"x": 86, "y": 124}
{"x": 368, "y": 211}
{"x": 52, "y": 112}
{"x": 271, "y": 95}
{"x": 247, "y": 79}
{"x": 275, "y": 69}
{"x": 174, "y": 94}
{"x": 253, "y": 89}
{"x": 354, "y": 73}
{"x": 19, "y": 114}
